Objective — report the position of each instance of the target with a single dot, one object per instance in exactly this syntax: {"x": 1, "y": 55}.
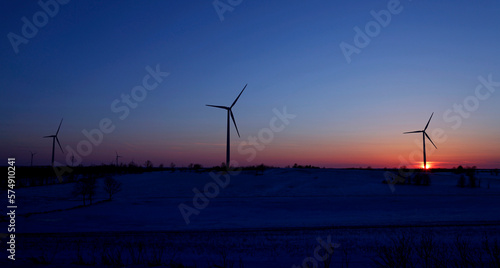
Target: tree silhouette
{"x": 112, "y": 186}
{"x": 78, "y": 190}
{"x": 86, "y": 188}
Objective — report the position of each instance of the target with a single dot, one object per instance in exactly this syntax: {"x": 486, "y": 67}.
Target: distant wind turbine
{"x": 32, "y": 154}
{"x": 54, "y": 139}
{"x": 229, "y": 113}
{"x": 424, "y": 134}
{"x": 117, "y": 156}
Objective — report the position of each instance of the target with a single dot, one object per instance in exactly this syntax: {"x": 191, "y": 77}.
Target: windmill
{"x": 424, "y": 134}
{"x": 229, "y": 114}
{"x": 117, "y": 156}
{"x": 54, "y": 139}
{"x": 32, "y": 154}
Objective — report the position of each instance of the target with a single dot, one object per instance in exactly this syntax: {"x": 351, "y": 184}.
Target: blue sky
{"x": 427, "y": 59}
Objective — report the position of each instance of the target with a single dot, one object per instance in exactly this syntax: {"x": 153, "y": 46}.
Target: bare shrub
{"x": 112, "y": 186}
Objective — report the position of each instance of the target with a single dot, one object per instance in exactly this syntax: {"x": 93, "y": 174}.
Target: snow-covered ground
{"x": 292, "y": 206}
{"x": 280, "y": 198}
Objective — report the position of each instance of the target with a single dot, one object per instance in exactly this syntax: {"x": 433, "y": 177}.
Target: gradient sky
{"x": 427, "y": 59}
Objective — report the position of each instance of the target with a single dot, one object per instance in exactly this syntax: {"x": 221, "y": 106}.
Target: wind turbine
{"x": 32, "y": 154}
{"x": 54, "y": 138}
{"x": 117, "y": 156}
{"x": 229, "y": 113}
{"x": 424, "y": 134}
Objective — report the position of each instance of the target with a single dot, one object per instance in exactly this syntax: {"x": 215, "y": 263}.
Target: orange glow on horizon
{"x": 429, "y": 166}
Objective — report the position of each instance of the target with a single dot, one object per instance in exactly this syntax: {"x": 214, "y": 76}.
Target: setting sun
{"x": 428, "y": 166}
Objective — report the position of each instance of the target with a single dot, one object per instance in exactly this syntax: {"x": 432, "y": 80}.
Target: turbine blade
{"x": 428, "y": 122}
{"x": 218, "y": 106}
{"x": 430, "y": 140}
{"x": 417, "y": 131}
{"x": 59, "y": 127}
{"x": 59, "y": 144}
{"x": 238, "y": 97}
{"x": 234, "y": 121}
{"x": 51, "y": 136}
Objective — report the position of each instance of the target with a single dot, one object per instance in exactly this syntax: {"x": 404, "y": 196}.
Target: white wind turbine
{"x": 32, "y": 154}
{"x": 229, "y": 114}
{"x": 424, "y": 134}
{"x": 54, "y": 139}
{"x": 117, "y": 156}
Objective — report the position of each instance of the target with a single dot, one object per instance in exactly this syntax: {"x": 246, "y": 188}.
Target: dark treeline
{"x": 468, "y": 176}
{"x": 46, "y": 175}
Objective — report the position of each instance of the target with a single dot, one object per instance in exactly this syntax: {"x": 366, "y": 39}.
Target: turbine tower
{"x": 54, "y": 139}
{"x": 229, "y": 114}
{"x": 117, "y": 156}
{"x": 424, "y": 134}
{"x": 32, "y": 154}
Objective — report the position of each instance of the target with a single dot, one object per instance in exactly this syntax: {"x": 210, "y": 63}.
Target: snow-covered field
{"x": 273, "y": 220}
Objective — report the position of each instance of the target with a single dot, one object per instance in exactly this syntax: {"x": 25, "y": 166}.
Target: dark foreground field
{"x": 283, "y": 218}
{"x": 445, "y": 246}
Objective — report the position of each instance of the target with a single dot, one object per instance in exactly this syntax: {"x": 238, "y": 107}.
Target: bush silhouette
{"x": 112, "y": 186}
